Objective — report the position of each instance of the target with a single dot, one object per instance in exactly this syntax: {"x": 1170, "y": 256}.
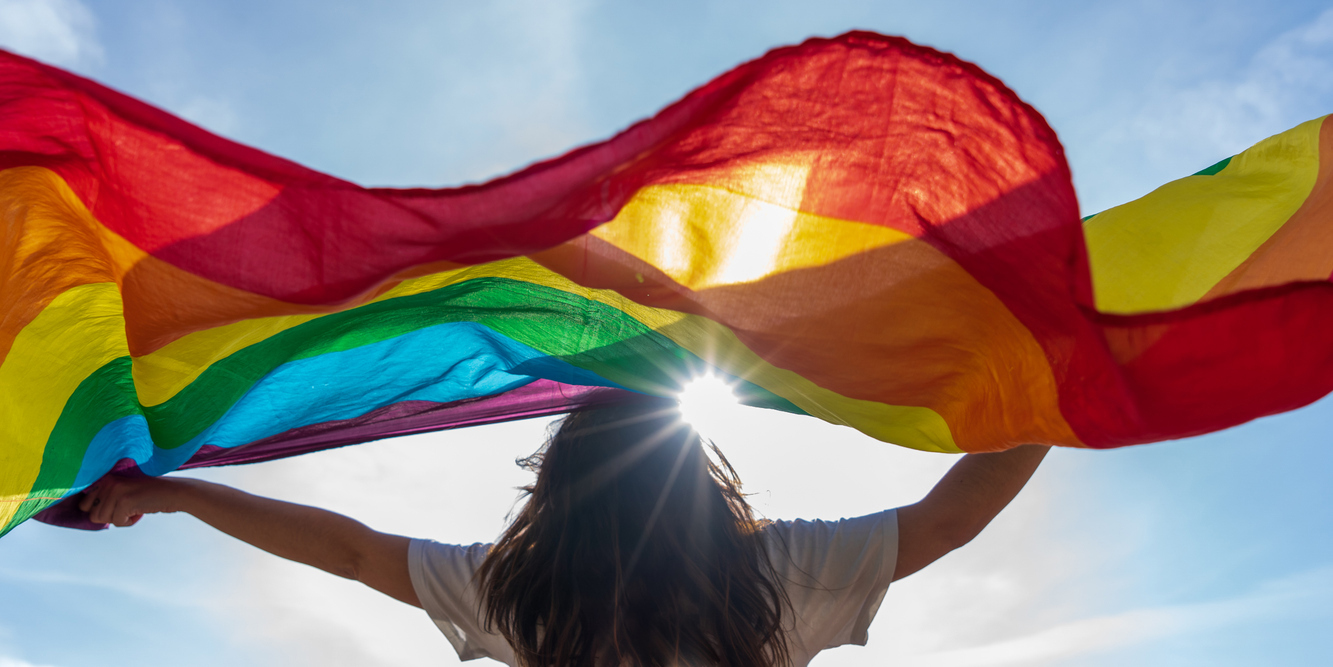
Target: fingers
{"x": 100, "y": 503}
{"x": 94, "y": 499}
{"x": 112, "y": 500}
{"x": 88, "y": 502}
{"x": 122, "y": 501}
{"x": 125, "y": 518}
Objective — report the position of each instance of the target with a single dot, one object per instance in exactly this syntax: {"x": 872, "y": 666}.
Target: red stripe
{"x": 854, "y": 103}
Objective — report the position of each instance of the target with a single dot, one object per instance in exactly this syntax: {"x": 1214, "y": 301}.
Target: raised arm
{"x": 963, "y": 503}
{"x": 309, "y": 535}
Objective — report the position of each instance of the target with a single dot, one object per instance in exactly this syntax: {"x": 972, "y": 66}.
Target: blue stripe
{"x": 443, "y": 363}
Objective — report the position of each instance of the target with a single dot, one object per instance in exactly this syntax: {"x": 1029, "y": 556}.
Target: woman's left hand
{"x": 122, "y": 501}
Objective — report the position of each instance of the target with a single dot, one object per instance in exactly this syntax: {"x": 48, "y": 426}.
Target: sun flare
{"x": 706, "y": 402}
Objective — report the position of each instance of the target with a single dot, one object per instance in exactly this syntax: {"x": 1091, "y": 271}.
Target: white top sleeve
{"x": 836, "y": 574}
{"x": 442, "y": 577}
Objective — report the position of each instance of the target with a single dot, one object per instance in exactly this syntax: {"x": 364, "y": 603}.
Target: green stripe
{"x": 103, "y": 397}
{"x": 582, "y": 332}
{"x": 585, "y": 333}
{"x": 1207, "y": 171}
{"x": 1219, "y": 166}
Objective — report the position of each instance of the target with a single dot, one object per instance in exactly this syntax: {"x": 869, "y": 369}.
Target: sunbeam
{"x": 707, "y": 402}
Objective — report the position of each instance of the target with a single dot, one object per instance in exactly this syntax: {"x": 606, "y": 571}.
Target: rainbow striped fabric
{"x": 857, "y": 228}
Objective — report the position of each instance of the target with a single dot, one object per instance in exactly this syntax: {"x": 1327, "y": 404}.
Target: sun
{"x": 706, "y": 402}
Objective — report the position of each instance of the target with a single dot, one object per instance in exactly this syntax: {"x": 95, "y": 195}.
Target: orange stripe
{"x": 52, "y": 246}
{"x": 901, "y": 325}
{"x": 1302, "y": 249}
{"x": 60, "y": 245}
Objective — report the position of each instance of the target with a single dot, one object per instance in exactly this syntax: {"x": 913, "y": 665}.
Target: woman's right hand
{"x": 122, "y": 501}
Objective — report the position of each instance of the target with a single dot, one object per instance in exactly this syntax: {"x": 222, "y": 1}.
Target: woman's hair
{"x": 634, "y": 549}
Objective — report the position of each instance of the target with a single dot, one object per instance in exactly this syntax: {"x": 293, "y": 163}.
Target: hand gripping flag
{"x": 857, "y": 228}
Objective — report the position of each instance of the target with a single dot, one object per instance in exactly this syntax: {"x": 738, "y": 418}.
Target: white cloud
{"x": 1029, "y": 569}
{"x": 1288, "y": 81}
{"x": 556, "y": 30}
{"x": 455, "y": 486}
{"x": 533, "y": 91}
{"x": 1278, "y": 598}
{"x": 215, "y": 114}
{"x": 121, "y": 587}
{"x": 15, "y": 662}
{"x": 1007, "y": 598}
{"x": 60, "y": 32}
{"x": 1186, "y": 113}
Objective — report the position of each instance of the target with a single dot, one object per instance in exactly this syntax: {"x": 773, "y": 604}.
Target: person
{"x": 634, "y": 547}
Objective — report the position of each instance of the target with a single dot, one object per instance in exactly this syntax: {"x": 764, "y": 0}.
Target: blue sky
{"x": 1211, "y": 551}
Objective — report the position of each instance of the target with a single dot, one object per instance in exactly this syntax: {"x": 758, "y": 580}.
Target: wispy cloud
{"x": 1275, "y": 599}
{"x": 15, "y": 662}
{"x": 1177, "y": 121}
{"x": 533, "y": 91}
{"x": 455, "y": 487}
{"x": 61, "y": 32}
{"x": 1286, "y": 82}
{"x": 216, "y": 114}
{"x": 119, "y": 587}
{"x": 1032, "y": 568}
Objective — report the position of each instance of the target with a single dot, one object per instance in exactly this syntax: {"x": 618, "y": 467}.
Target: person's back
{"x": 633, "y": 549}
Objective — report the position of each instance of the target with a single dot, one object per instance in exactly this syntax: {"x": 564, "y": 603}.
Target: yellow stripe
{"x": 719, "y": 237}
{"x": 909, "y": 426}
{"x": 724, "y": 237}
{"x": 79, "y": 332}
{"x": 703, "y": 236}
{"x": 1169, "y": 248}
{"x": 160, "y": 375}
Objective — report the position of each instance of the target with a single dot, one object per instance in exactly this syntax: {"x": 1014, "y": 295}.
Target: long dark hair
{"x": 634, "y": 549}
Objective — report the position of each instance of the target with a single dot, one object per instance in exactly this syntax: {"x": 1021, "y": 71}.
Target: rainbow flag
{"x": 858, "y": 228}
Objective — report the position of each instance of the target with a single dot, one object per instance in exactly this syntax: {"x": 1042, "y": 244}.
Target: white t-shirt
{"x": 835, "y": 572}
